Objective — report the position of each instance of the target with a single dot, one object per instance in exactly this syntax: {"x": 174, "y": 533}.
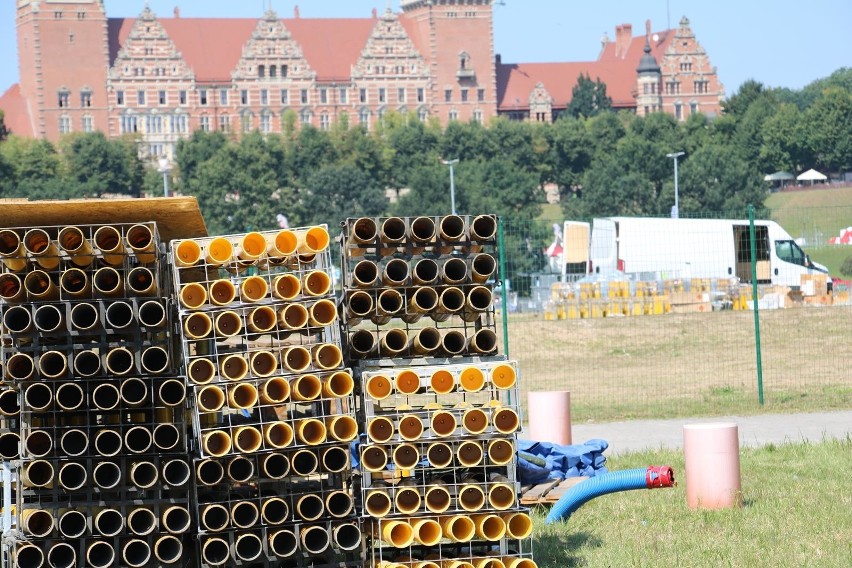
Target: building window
{"x": 477, "y": 116}
{"x": 64, "y": 124}
{"x": 261, "y": 71}
{"x": 244, "y": 97}
{"x": 480, "y": 95}
{"x": 383, "y": 95}
{"x": 180, "y": 123}
{"x": 464, "y": 61}
{"x": 129, "y": 124}
{"x": 140, "y": 98}
{"x": 57, "y": 15}
{"x": 204, "y": 123}
{"x": 464, "y": 95}
{"x": 119, "y": 98}
{"x": 223, "y": 97}
{"x": 646, "y": 88}
{"x": 325, "y": 121}
{"x": 423, "y": 114}
{"x": 225, "y": 123}
{"x": 264, "y": 97}
{"x": 283, "y": 71}
{"x": 685, "y": 67}
{"x": 246, "y": 120}
{"x": 693, "y": 107}
{"x": 454, "y": 115}
{"x": 448, "y": 95}
{"x": 678, "y": 111}
{"x": 364, "y": 118}
{"x": 154, "y": 124}
{"x": 401, "y": 94}
{"x": 285, "y": 97}
{"x": 305, "y": 116}
{"x": 63, "y": 96}
{"x": 202, "y": 97}
{"x": 324, "y": 96}
{"x": 304, "y": 96}
{"x": 161, "y": 97}
{"x": 273, "y": 71}
{"x": 86, "y": 99}
{"x": 266, "y": 122}
{"x": 362, "y": 96}
{"x": 421, "y": 95}
{"x": 344, "y": 95}
{"x": 88, "y": 124}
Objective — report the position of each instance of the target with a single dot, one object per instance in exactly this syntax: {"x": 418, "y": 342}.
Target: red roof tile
{"x": 16, "y": 114}
{"x": 331, "y": 46}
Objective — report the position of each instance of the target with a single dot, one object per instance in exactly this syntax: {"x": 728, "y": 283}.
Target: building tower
{"x": 63, "y": 52}
{"x": 649, "y": 96}
{"x": 457, "y": 40}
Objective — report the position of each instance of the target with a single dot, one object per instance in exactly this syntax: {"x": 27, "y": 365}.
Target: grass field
{"x": 687, "y": 364}
{"x": 797, "y": 502}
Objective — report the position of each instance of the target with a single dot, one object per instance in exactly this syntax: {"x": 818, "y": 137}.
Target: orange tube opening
{"x": 293, "y": 316}
{"x": 198, "y": 325}
{"x": 193, "y": 296}
{"x": 501, "y": 452}
{"x": 253, "y": 289}
{"x": 338, "y": 385}
{"x": 247, "y": 439}
{"x": 201, "y": 371}
{"x": 286, "y": 287}
{"x": 343, "y": 428}
{"x": 398, "y": 534}
{"x": 327, "y": 356}
{"x": 426, "y": 531}
{"x": 407, "y": 382}
{"x": 228, "y": 324}
{"x": 283, "y": 244}
{"x": 252, "y": 246}
{"x": 472, "y": 379}
{"x": 278, "y": 435}
{"x": 296, "y": 359}
{"x": 489, "y": 527}
{"x": 483, "y": 267}
{"x": 379, "y": 387}
{"x": 222, "y": 292}
{"x": 407, "y": 500}
{"x": 378, "y": 504}
{"x": 187, "y": 253}
{"x": 234, "y": 367}
{"x": 216, "y": 443}
{"x": 317, "y": 283}
{"x": 274, "y": 391}
{"x": 305, "y": 388}
{"x": 314, "y": 240}
{"x": 458, "y": 528}
{"x": 406, "y": 456}
{"x": 323, "y": 313}
{"x": 442, "y": 382}
{"x": 311, "y": 431}
{"x": 242, "y": 396}
{"x": 262, "y": 319}
{"x": 263, "y": 363}
{"x": 501, "y": 496}
{"x": 503, "y": 376}
{"x": 219, "y": 251}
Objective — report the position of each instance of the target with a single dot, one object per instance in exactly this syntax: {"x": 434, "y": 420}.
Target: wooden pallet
{"x": 549, "y": 492}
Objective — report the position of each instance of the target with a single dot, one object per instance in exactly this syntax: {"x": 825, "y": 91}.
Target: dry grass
{"x": 687, "y": 364}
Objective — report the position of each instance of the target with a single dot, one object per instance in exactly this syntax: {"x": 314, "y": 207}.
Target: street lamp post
{"x": 675, "y": 156}
{"x": 165, "y": 169}
{"x": 452, "y": 164}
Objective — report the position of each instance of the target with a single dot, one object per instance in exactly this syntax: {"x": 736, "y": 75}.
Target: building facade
{"x": 163, "y": 78}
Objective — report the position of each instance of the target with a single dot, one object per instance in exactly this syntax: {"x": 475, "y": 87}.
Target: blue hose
{"x": 587, "y": 490}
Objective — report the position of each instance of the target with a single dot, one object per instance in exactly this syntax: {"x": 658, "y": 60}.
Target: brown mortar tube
{"x": 451, "y": 228}
{"x": 278, "y": 435}
{"x": 426, "y": 532}
{"x": 501, "y": 496}
{"x": 364, "y": 230}
{"x": 296, "y": 359}
{"x": 482, "y": 268}
{"x": 176, "y": 473}
{"x": 233, "y": 367}
{"x": 393, "y": 342}
{"x": 100, "y": 554}
{"x": 141, "y": 282}
{"x": 374, "y": 458}
{"x": 380, "y": 429}
{"x": 72, "y": 524}
{"x": 322, "y": 313}
{"x": 187, "y": 253}
{"x": 248, "y": 547}
{"x": 422, "y": 230}
{"x": 108, "y": 240}
{"x": 19, "y": 319}
{"x": 37, "y": 522}
{"x": 20, "y": 367}
{"x": 339, "y": 384}
{"x": 304, "y": 463}
{"x": 392, "y": 231}
{"x": 106, "y": 475}
{"x": 283, "y": 543}
{"x": 242, "y": 396}
{"x": 201, "y": 371}
{"x": 76, "y": 245}
{"x": 365, "y": 274}
{"x": 141, "y": 521}
{"x": 119, "y": 315}
{"x": 458, "y": 528}
{"x": 215, "y": 551}
{"x": 342, "y": 428}
{"x": 140, "y": 240}
{"x": 483, "y": 228}
{"x": 152, "y": 314}
{"x": 155, "y": 360}
{"x": 293, "y": 317}
{"x": 12, "y": 252}
{"x": 84, "y": 317}
{"x": 334, "y": 459}
{"x": 339, "y": 504}
{"x": 172, "y": 392}
{"x": 326, "y": 356}
{"x": 518, "y": 525}
{"x": 410, "y": 427}
{"x": 52, "y": 365}
{"x": 38, "y": 443}
{"x": 222, "y": 292}
{"x": 38, "y": 397}
{"x": 176, "y": 520}
{"x": 136, "y": 553}
{"x": 39, "y": 247}
{"x": 108, "y": 522}
{"x": 426, "y": 341}
{"x": 479, "y": 300}
{"x": 316, "y": 283}
{"x": 262, "y": 364}
{"x": 216, "y": 443}
{"x": 315, "y": 540}
{"x": 215, "y": 517}
{"x": 475, "y": 421}
{"x": 193, "y": 296}
{"x": 443, "y": 423}
{"x": 274, "y": 391}
{"x": 274, "y": 511}
{"x": 228, "y": 324}
{"x": 9, "y": 405}
{"x": 247, "y": 439}
{"x": 359, "y": 305}
{"x": 286, "y": 287}
{"x": 262, "y": 319}
{"x": 218, "y": 251}
{"x": 470, "y": 453}
{"x": 471, "y": 497}
{"x": 422, "y": 300}
{"x": 144, "y": 474}
{"x": 309, "y": 507}
{"x": 168, "y": 549}
{"x": 398, "y": 534}
{"x": 489, "y": 527}
{"x": 311, "y": 431}
{"x": 133, "y": 392}
{"x": 282, "y": 245}
{"x": 347, "y": 536}
{"x": 10, "y": 446}
{"x": 439, "y": 454}
{"x": 305, "y": 388}
{"x": 378, "y": 387}
{"x": 451, "y": 301}
{"x": 395, "y": 273}
{"x": 87, "y": 363}
{"x": 378, "y": 503}
{"x": 108, "y": 282}
{"x": 388, "y": 304}
{"x": 12, "y": 290}
{"x": 210, "y": 399}
{"x": 75, "y": 283}
{"x": 209, "y": 472}
{"x": 166, "y": 436}
{"x": 314, "y": 240}
{"x": 426, "y": 272}
{"x": 437, "y": 498}
{"x": 406, "y": 456}
{"x": 454, "y": 271}
{"x": 252, "y": 246}
{"x": 483, "y": 342}
{"x": 253, "y": 289}
{"x": 197, "y": 325}
{"x": 506, "y": 421}
{"x": 39, "y": 287}
{"x": 500, "y": 452}
{"x": 240, "y": 469}
{"x": 119, "y": 361}
{"x": 362, "y": 344}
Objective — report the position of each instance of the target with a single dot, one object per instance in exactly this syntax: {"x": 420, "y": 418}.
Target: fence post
{"x": 753, "y": 240}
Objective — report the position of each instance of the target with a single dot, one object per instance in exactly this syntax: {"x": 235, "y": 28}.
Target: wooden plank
{"x": 557, "y": 492}
{"x": 535, "y": 494}
{"x": 176, "y": 217}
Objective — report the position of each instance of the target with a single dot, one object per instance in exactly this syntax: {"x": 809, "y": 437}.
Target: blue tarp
{"x": 561, "y": 462}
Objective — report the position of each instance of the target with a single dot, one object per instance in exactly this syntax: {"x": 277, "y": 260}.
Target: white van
{"x": 650, "y": 248}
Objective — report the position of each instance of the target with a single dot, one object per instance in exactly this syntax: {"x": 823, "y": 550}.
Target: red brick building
{"x": 163, "y": 78}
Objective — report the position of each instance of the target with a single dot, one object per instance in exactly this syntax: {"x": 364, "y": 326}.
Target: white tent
{"x": 811, "y": 175}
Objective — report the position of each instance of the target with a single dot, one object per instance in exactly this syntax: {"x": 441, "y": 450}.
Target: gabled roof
{"x": 16, "y": 114}
{"x": 331, "y": 46}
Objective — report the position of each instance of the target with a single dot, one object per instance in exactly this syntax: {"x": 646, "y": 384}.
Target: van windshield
{"x": 789, "y": 251}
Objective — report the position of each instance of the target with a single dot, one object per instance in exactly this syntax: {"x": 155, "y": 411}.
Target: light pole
{"x": 452, "y": 164}
{"x": 675, "y": 156}
{"x": 165, "y": 169}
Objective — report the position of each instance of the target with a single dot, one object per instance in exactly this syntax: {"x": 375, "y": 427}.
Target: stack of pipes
{"x": 439, "y": 405}
{"x": 272, "y": 405}
{"x": 90, "y": 403}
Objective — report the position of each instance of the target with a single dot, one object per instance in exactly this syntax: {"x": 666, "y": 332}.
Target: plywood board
{"x": 176, "y": 217}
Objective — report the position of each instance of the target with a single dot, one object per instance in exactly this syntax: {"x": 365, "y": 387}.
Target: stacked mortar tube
{"x": 103, "y": 476}
{"x": 438, "y": 405}
{"x": 272, "y": 405}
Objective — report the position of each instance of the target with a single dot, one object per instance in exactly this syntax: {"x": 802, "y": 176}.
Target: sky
{"x": 781, "y": 43}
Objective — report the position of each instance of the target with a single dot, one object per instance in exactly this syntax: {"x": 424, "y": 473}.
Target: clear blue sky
{"x": 782, "y": 43}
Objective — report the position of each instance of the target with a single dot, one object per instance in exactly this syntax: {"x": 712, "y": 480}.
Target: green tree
{"x": 605, "y": 130}
{"x": 466, "y": 141}
{"x": 411, "y": 146}
{"x": 829, "y": 124}
{"x": 196, "y": 150}
{"x": 4, "y": 132}
{"x": 609, "y": 188}
{"x": 338, "y": 191}
{"x": 311, "y": 151}
{"x": 737, "y": 104}
{"x": 571, "y": 152}
{"x": 785, "y": 145}
{"x": 98, "y": 166}
{"x": 38, "y": 170}
{"x": 498, "y": 186}
{"x": 717, "y": 178}
{"x": 588, "y": 98}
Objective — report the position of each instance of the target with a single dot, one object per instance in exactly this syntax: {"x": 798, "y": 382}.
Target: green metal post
{"x": 753, "y": 240}
{"x": 504, "y": 298}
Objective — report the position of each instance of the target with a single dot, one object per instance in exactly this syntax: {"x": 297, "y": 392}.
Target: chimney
{"x": 375, "y": 14}
{"x": 296, "y": 12}
{"x": 623, "y": 37}
{"x": 499, "y": 59}
{"x": 177, "y": 12}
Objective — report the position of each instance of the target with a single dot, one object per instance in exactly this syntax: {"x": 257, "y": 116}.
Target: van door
{"x": 604, "y": 249}
{"x": 742, "y": 242}
{"x": 575, "y": 247}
